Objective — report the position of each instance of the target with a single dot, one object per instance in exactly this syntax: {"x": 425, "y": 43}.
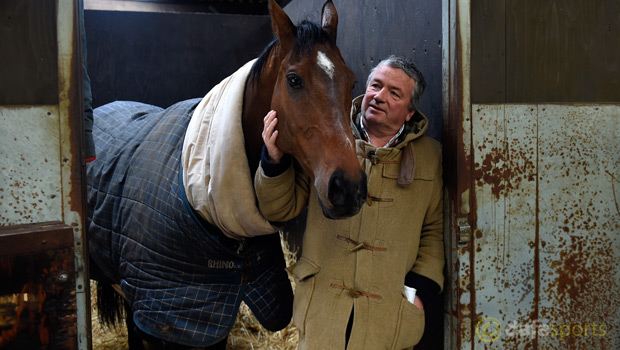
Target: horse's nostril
{"x": 337, "y": 189}
{"x": 346, "y": 196}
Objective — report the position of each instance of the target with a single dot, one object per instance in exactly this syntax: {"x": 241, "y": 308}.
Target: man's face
{"x": 385, "y": 104}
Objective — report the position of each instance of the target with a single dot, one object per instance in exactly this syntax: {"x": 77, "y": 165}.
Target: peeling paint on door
{"x": 30, "y": 181}
{"x": 579, "y": 224}
{"x": 547, "y": 239}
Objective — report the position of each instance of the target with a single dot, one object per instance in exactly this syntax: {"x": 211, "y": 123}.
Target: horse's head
{"x": 312, "y": 97}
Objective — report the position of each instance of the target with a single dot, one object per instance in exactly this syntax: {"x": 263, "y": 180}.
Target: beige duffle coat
{"x": 360, "y": 263}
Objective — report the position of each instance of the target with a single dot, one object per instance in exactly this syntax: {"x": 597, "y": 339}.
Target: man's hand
{"x": 418, "y": 303}
{"x": 269, "y": 137}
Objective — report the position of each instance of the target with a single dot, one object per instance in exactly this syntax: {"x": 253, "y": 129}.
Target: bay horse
{"x": 181, "y": 269}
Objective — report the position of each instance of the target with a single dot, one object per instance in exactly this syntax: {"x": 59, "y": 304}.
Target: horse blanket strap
{"x": 183, "y": 280}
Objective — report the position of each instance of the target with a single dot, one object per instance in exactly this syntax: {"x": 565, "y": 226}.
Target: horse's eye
{"x": 294, "y": 81}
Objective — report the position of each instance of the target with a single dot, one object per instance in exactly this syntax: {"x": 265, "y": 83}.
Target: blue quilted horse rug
{"x": 172, "y": 218}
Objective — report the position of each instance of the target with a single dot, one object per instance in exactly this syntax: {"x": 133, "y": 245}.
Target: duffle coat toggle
{"x": 356, "y": 293}
{"x": 372, "y": 156}
{"x": 360, "y": 246}
{"x": 370, "y": 199}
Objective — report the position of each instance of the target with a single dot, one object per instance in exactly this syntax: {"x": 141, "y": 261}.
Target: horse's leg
{"x": 134, "y": 341}
{"x": 111, "y": 304}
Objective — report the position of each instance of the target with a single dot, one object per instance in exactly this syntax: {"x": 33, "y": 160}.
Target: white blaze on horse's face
{"x": 325, "y": 63}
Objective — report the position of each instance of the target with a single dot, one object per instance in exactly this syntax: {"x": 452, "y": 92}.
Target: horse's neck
{"x": 256, "y": 104}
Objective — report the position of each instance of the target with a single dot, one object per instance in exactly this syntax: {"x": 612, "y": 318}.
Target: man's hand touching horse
{"x": 269, "y": 137}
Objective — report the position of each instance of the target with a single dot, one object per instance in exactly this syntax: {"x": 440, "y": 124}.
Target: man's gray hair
{"x": 407, "y": 66}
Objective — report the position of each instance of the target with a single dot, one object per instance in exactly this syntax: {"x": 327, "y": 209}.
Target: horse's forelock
{"x": 308, "y": 35}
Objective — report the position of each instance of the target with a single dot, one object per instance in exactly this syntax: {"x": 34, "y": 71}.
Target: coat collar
{"x": 413, "y": 129}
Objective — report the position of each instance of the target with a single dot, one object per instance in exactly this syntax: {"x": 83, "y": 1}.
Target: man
{"x": 354, "y": 278}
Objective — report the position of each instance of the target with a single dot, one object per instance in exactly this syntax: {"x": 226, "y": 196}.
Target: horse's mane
{"x": 308, "y": 35}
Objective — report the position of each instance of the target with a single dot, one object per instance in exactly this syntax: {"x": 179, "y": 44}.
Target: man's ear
{"x": 282, "y": 25}
{"x": 411, "y": 113}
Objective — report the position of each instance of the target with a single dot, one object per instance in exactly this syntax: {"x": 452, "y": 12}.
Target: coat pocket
{"x": 303, "y": 273}
{"x": 410, "y": 326}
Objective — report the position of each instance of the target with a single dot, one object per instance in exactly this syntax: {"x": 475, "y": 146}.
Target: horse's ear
{"x": 329, "y": 19}
{"x": 283, "y": 27}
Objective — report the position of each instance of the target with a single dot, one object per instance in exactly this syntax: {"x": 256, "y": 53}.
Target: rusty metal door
{"x": 533, "y": 213}
{"x": 43, "y": 270}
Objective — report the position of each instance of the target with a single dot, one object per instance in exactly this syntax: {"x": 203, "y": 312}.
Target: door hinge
{"x": 464, "y": 230}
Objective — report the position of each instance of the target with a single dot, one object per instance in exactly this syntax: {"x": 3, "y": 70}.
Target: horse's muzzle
{"x": 346, "y": 196}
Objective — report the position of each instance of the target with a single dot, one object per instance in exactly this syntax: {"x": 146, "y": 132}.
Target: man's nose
{"x": 380, "y": 95}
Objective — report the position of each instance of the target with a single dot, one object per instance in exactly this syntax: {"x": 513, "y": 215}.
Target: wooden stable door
{"x": 43, "y": 272}
{"x": 534, "y": 112}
